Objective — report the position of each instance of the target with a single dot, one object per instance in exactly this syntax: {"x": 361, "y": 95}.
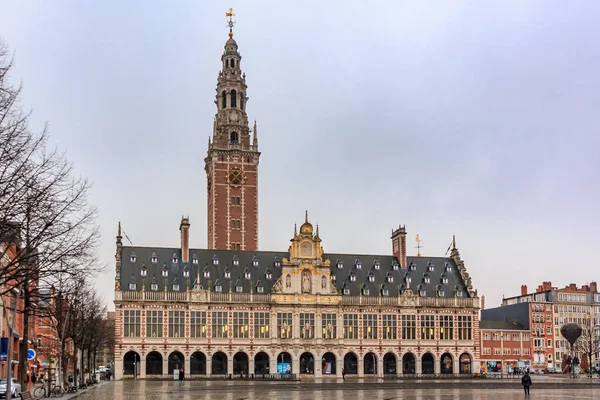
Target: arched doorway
{"x": 198, "y": 364}
{"x": 446, "y": 364}
{"x": 261, "y": 363}
{"x": 408, "y": 363}
{"x": 427, "y": 364}
{"x": 284, "y": 363}
{"x": 219, "y": 363}
{"x": 240, "y": 363}
{"x": 328, "y": 364}
{"x": 389, "y": 364}
{"x": 154, "y": 363}
{"x": 131, "y": 362}
{"x": 307, "y": 364}
{"x": 370, "y": 364}
{"x": 175, "y": 361}
{"x": 465, "y": 363}
{"x": 351, "y": 364}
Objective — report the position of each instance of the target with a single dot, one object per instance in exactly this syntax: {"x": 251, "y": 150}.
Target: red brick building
{"x": 504, "y": 346}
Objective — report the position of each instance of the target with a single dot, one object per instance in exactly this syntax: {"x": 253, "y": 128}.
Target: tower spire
{"x": 295, "y": 230}
{"x": 306, "y": 216}
{"x": 255, "y": 138}
{"x": 453, "y": 242}
{"x": 230, "y": 22}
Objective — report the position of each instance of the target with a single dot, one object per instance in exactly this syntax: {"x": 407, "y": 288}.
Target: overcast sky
{"x": 474, "y": 118}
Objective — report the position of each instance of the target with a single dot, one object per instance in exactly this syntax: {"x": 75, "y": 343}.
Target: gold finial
{"x": 418, "y": 246}
{"x": 231, "y": 22}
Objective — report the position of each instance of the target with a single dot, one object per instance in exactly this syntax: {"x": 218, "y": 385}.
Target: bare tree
{"x": 587, "y": 344}
{"x": 46, "y": 224}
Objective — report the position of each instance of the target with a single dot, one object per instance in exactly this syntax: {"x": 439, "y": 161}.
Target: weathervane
{"x": 418, "y": 246}
{"x": 231, "y": 22}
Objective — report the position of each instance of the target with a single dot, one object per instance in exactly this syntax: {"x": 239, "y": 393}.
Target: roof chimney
{"x": 593, "y": 287}
{"x": 184, "y": 228}
{"x": 399, "y": 245}
{"x": 523, "y": 290}
{"x": 483, "y": 302}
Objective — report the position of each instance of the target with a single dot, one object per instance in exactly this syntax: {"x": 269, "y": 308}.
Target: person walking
{"x": 181, "y": 373}
{"x": 343, "y": 375}
{"x": 526, "y": 382}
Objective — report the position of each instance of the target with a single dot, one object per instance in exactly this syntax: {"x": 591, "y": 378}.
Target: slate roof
{"x": 259, "y": 268}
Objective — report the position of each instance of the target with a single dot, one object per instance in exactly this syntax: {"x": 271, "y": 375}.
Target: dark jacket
{"x": 526, "y": 380}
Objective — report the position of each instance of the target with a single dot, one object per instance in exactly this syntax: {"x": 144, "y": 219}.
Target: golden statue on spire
{"x": 230, "y": 22}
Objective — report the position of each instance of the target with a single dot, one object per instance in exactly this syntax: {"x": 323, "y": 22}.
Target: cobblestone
{"x": 367, "y": 390}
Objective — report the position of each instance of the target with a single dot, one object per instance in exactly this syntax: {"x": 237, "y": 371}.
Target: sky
{"x": 467, "y": 118}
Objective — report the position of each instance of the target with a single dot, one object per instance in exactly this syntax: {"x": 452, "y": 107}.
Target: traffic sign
{"x": 30, "y": 354}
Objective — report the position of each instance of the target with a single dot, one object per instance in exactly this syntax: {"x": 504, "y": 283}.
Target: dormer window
{"x": 447, "y": 266}
{"x": 426, "y": 279}
{"x": 218, "y": 287}
{"x": 143, "y": 271}
{"x": 154, "y": 286}
{"x": 413, "y": 267}
{"x": 422, "y": 291}
{"x": 227, "y": 275}
{"x": 255, "y": 261}
{"x": 385, "y": 292}
{"x": 239, "y": 289}
{"x": 206, "y": 273}
{"x": 376, "y": 264}
{"x": 365, "y": 292}
{"x": 186, "y": 272}
{"x": 235, "y": 261}
{"x": 247, "y": 274}
{"x": 268, "y": 275}
{"x": 215, "y": 260}
{"x": 371, "y": 278}
{"x": 358, "y": 264}
{"x": 459, "y": 293}
{"x": 440, "y": 293}
{"x": 195, "y": 259}
{"x": 407, "y": 279}
{"x": 445, "y": 280}
{"x": 277, "y": 262}
{"x": 346, "y": 291}
{"x": 352, "y": 278}
{"x": 165, "y": 271}
{"x": 260, "y": 288}
{"x": 154, "y": 258}
{"x": 132, "y": 257}
{"x": 430, "y": 267}
{"x": 176, "y": 285}
{"x": 390, "y": 278}
{"x": 174, "y": 259}
{"x": 395, "y": 265}
{"x": 132, "y": 284}
{"x": 339, "y": 264}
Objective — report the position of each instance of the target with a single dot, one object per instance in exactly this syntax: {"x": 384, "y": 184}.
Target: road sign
{"x": 30, "y": 354}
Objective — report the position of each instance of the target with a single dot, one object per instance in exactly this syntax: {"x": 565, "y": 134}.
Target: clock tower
{"x": 232, "y": 161}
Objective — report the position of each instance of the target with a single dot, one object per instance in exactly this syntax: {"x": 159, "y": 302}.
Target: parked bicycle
{"x": 41, "y": 392}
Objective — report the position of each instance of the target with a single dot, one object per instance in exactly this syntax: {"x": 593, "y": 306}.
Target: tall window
{"x": 307, "y": 325}
{"x": 262, "y": 320}
{"x": 389, "y": 326}
{"x": 242, "y": 99}
{"x": 446, "y": 327}
{"x": 464, "y": 327}
{"x": 234, "y": 138}
{"x": 350, "y": 326}
{"x": 235, "y": 201}
{"x": 131, "y": 323}
{"x": 427, "y": 327}
{"x": 233, "y": 98}
{"x": 198, "y": 324}
{"x": 409, "y": 327}
{"x": 284, "y": 325}
{"x": 370, "y": 326}
{"x": 219, "y": 324}
{"x": 224, "y": 99}
{"x": 154, "y": 323}
{"x": 176, "y": 323}
{"x": 240, "y": 325}
{"x": 329, "y": 325}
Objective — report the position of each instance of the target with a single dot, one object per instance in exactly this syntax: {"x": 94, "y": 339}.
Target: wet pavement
{"x": 367, "y": 390}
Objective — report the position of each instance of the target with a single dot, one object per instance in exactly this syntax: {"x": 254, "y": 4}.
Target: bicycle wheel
{"x": 58, "y": 391}
{"x": 39, "y": 392}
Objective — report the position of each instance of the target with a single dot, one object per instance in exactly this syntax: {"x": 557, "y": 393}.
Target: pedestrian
{"x": 343, "y": 375}
{"x": 181, "y": 373}
{"x": 526, "y": 382}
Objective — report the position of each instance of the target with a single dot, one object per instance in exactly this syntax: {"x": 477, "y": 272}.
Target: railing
{"x": 432, "y": 376}
{"x": 231, "y": 297}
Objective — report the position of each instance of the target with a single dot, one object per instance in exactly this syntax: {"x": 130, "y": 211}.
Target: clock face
{"x": 236, "y": 176}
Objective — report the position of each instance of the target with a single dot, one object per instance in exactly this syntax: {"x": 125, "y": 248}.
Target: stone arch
{"x": 465, "y": 363}
{"x": 198, "y": 363}
{"x": 154, "y": 363}
{"x": 389, "y": 363}
{"x": 409, "y": 363}
{"x": 261, "y": 363}
{"x": 176, "y": 361}
{"x": 307, "y": 363}
{"x": 370, "y": 363}
{"x": 284, "y": 363}
{"x": 447, "y": 363}
{"x": 350, "y": 363}
{"x": 428, "y": 363}
{"x": 219, "y": 363}
{"x": 328, "y": 364}
{"x": 131, "y": 363}
{"x": 240, "y": 363}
